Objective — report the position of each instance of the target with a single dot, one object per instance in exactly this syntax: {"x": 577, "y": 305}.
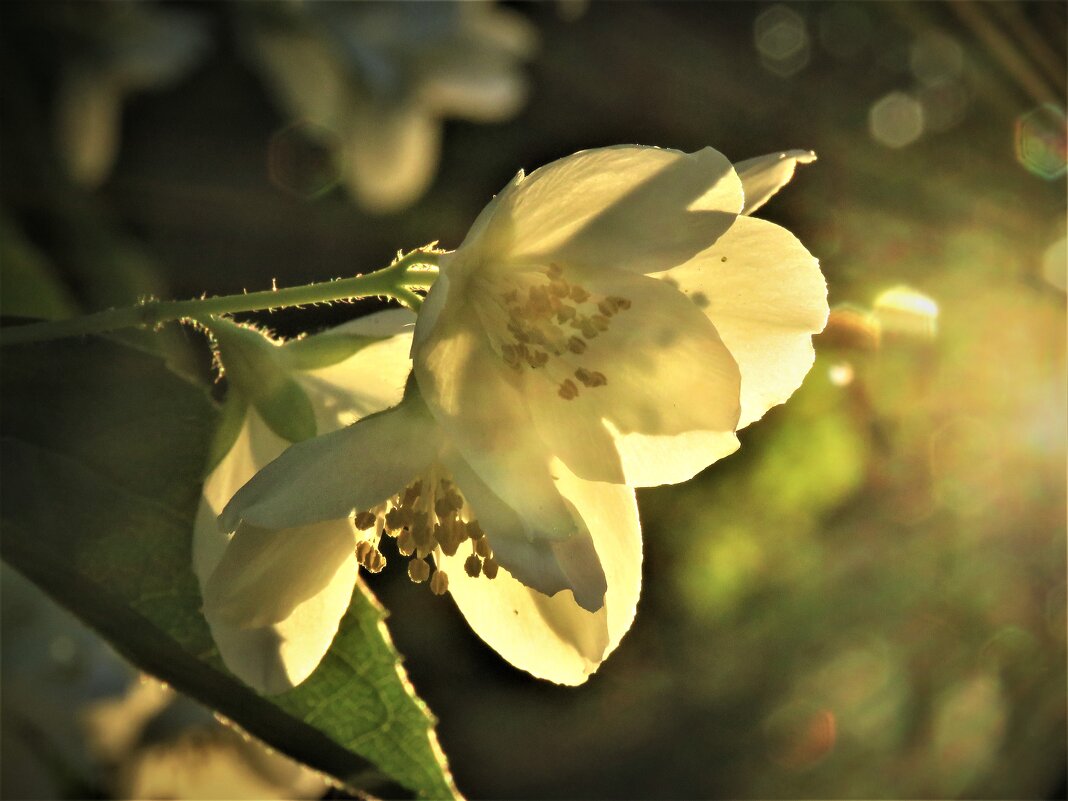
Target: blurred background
{"x": 866, "y": 601}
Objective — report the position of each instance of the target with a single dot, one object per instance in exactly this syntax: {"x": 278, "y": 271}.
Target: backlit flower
{"x": 617, "y": 313}
{"x": 375, "y": 81}
{"x": 274, "y": 595}
{"x": 272, "y": 625}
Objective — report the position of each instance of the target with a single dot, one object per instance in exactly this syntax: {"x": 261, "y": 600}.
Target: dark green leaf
{"x": 103, "y": 453}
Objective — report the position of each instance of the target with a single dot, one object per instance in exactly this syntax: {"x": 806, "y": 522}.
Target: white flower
{"x": 377, "y": 79}
{"x": 616, "y": 312}
{"x": 273, "y": 626}
{"x": 609, "y": 321}
{"x": 275, "y": 591}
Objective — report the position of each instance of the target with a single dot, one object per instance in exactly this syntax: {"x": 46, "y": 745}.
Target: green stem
{"x": 413, "y": 270}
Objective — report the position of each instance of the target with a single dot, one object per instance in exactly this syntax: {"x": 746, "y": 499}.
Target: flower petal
{"x": 553, "y": 637}
{"x": 666, "y": 373}
{"x": 266, "y": 573}
{"x": 543, "y": 563}
{"x": 763, "y": 176}
{"x": 484, "y": 415}
{"x": 766, "y": 296}
{"x": 328, "y": 477}
{"x": 274, "y": 657}
{"x": 370, "y": 380}
{"x": 640, "y": 209}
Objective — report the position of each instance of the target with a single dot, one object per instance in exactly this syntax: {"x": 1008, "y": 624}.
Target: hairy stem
{"x": 417, "y": 269}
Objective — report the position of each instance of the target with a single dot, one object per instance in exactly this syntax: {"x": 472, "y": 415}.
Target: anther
{"x": 406, "y": 543}
{"x": 418, "y": 570}
{"x": 559, "y": 289}
{"x": 489, "y": 568}
{"x": 439, "y": 584}
{"x": 578, "y": 294}
{"x": 565, "y": 313}
{"x": 620, "y": 303}
{"x": 363, "y": 548}
{"x": 447, "y": 533}
{"x": 576, "y": 345}
{"x": 364, "y": 520}
{"x": 375, "y": 562}
{"x": 482, "y": 548}
{"x": 537, "y": 358}
{"x": 473, "y": 566}
{"x": 568, "y": 390}
{"x": 510, "y": 355}
{"x": 423, "y": 537}
{"x": 413, "y": 492}
{"x": 398, "y": 518}
{"x": 555, "y": 271}
{"x": 600, "y": 321}
{"x": 590, "y": 378}
{"x": 606, "y": 307}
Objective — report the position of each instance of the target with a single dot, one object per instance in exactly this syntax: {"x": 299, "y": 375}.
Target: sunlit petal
{"x": 484, "y": 415}
{"x": 371, "y": 379}
{"x": 585, "y": 209}
{"x": 328, "y": 477}
{"x": 554, "y": 638}
{"x": 665, "y": 372}
{"x": 265, "y": 574}
{"x": 766, "y": 296}
{"x": 539, "y": 560}
{"x": 277, "y": 655}
{"x": 763, "y": 176}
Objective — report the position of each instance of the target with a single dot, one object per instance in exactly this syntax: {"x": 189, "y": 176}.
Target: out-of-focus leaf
{"x": 103, "y": 453}
{"x": 31, "y": 287}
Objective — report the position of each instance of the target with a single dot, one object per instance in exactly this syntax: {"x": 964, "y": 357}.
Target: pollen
{"x": 429, "y": 517}
{"x": 550, "y": 319}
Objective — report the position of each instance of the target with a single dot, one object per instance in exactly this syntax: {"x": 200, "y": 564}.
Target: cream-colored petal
{"x": 370, "y": 380}
{"x": 483, "y": 414}
{"x": 265, "y": 574}
{"x": 332, "y": 475}
{"x": 666, "y": 373}
{"x": 763, "y": 176}
{"x": 275, "y": 657}
{"x": 554, "y": 638}
{"x": 766, "y": 296}
{"x": 255, "y": 446}
{"x": 549, "y": 566}
{"x": 390, "y": 153}
{"x": 632, "y": 208}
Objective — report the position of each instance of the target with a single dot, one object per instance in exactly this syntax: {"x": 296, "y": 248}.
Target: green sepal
{"x": 234, "y": 409}
{"x": 323, "y": 350}
{"x": 255, "y": 367}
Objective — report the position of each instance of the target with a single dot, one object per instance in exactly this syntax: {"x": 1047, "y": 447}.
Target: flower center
{"x": 430, "y": 513}
{"x": 550, "y": 322}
